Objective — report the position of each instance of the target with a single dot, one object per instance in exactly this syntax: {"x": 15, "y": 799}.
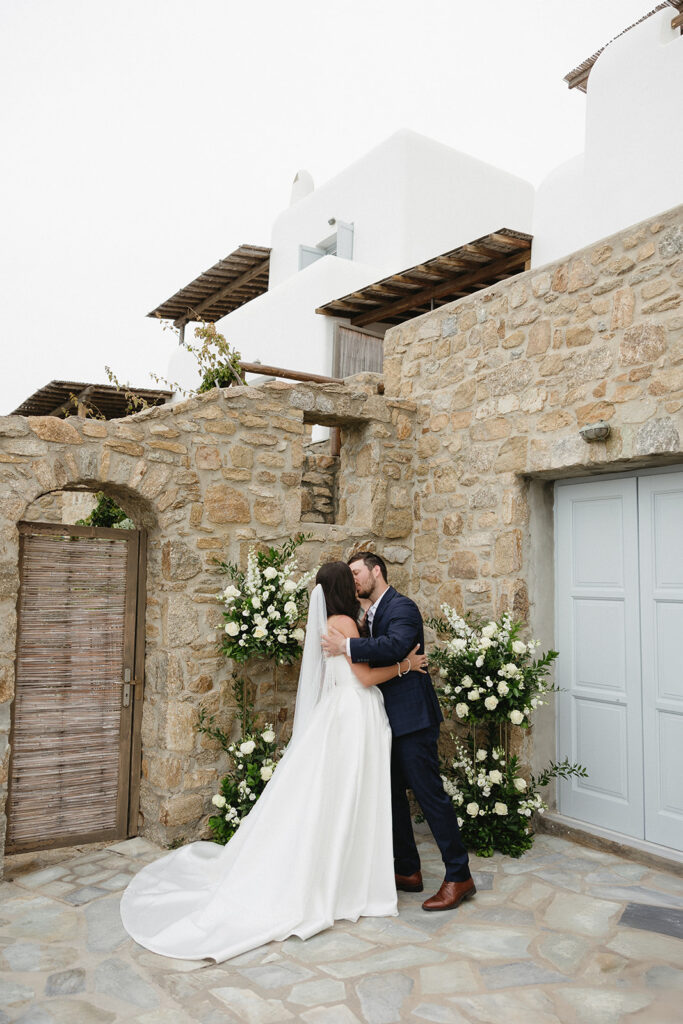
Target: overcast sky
{"x": 143, "y": 140}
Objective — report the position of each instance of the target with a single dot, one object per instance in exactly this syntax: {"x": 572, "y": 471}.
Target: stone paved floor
{"x": 565, "y": 934}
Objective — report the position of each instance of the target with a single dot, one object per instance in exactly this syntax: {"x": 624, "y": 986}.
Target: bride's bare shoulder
{"x": 343, "y": 623}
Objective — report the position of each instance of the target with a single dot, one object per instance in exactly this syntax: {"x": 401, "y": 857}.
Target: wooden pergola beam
{"x": 457, "y": 283}
{"x": 239, "y": 282}
{"x": 74, "y": 400}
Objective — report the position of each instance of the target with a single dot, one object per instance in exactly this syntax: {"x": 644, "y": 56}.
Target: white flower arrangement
{"x": 264, "y": 606}
{"x": 489, "y": 660}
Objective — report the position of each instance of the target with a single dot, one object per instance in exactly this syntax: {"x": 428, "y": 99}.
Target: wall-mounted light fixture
{"x": 596, "y": 431}
{"x": 332, "y": 221}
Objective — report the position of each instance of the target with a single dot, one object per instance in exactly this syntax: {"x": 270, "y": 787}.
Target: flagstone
{"x": 166, "y": 963}
{"x": 488, "y": 943}
{"x": 617, "y": 874}
{"x": 43, "y": 918}
{"x": 516, "y": 974}
{"x": 663, "y": 976}
{"x": 11, "y": 993}
{"x": 439, "y": 1013}
{"x": 382, "y": 996}
{"x": 398, "y": 957}
{"x": 603, "y": 1006}
{"x": 34, "y": 956}
{"x": 166, "y": 1015}
{"x": 523, "y": 1006}
{"x": 562, "y": 950}
{"x": 66, "y": 983}
{"x": 636, "y": 894}
{"x": 561, "y": 879}
{"x": 251, "y": 1007}
{"x": 533, "y": 894}
{"x": 330, "y": 1015}
{"x": 448, "y": 977}
{"x": 314, "y": 993}
{"x": 34, "y": 879}
{"x": 116, "y": 978}
{"x": 388, "y": 930}
{"x": 497, "y": 914}
{"x": 85, "y": 895}
{"x": 116, "y": 882}
{"x": 664, "y": 920}
{"x": 137, "y": 847}
{"x": 275, "y": 975}
{"x": 66, "y": 1011}
{"x": 105, "y": 931}
{"x": 325, "y": 947}
{"x": 581, "y": 914}
{"x": 648, "y": 946}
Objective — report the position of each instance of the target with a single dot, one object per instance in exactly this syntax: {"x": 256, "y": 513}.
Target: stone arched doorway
{"x": 74, "y": 770}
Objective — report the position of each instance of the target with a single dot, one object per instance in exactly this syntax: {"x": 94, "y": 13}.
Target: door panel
{"x": 661, "y": 560}
{"x": 599, "y": 644}
{"x": 71, "y": 731}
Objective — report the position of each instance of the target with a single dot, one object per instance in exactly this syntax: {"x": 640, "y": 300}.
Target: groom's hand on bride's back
{"x": 334, "y": 642}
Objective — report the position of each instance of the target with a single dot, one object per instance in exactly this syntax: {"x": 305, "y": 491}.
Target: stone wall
{"x": 319, "y": 487}
{"x": 504, "y": 380}
{"x": 206, "y": 479}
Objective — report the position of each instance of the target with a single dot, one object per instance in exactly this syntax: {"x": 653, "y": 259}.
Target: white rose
{"x": 466, "y": 681}
{"x": 460, "y": 822}
{"x": 282, "y": 638}
{"x": 500, "y": 808}
{"x": 480, "y": 661}
{"x": 472, "y": 809}
{"x": 462, "y": 710}
{"x": 490, "y": 703}
{"x": 520, "y": 785}
{"x": 518, "y": 647}
{"x": 443, "y": 672}
{"x": 458, "y": 644}
{"x": 218, "y": 800}
{"x": 256, "y": 602}
{"x": 516, "y": 717}
{"x": 489, "y": 630}
{"x": 289, "y": 586}
{"x": 510, "y": 669}
{"x": 290, "y": 608}
{"x": 266, "y": 772}
{"x": 484, "y": 643}
{"x": 248, "y": 747}
{"x": 252, "y": 797}
{"x": 473, "y": 695}
{"x": 496, "y": 777}
{"x": 270, "y": 573}
{"x": 299, "y": 635}
{"x": 503, "y": 688}
{"x": 268, "y": 736}
{"x": 259, "y": 632}
{"x": 231, "y": 628}
{"x": 481, "y": 754}
{"x": 231, "y": 592}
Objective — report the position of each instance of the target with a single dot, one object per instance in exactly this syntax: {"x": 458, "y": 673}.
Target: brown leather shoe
{"x": 410, "y": 883}
{"x": 450, "y": 895}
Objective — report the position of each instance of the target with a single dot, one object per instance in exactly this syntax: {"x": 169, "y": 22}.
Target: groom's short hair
{"x": 371, "y": 560}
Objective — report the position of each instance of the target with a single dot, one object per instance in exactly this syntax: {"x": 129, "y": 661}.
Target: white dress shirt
{"x": 369, "y": 617}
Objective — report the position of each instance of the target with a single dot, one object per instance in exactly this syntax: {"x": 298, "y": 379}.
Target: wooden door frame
{"x": 130, "y": 758}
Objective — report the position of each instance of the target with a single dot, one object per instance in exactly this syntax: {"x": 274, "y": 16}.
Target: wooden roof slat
{"x": 228, "y": 284}
{"x": 449, "y": 276}
{"x": 55, "y": 398}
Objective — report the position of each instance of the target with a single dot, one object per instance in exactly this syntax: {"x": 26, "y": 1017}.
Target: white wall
{"x": 409, "y": 199}
{"x": 633, "y": 160}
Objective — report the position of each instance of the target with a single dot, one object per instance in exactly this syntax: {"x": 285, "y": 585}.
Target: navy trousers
{"x": 415, "y": 765}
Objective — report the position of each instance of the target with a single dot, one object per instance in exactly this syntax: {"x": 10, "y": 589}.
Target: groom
{"x": 413, "y": 711}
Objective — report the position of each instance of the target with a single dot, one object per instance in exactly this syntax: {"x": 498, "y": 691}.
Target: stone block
{"x": 642, "y": 343}
{"x": 164, "y": 773}
{"x": 207, "y": 457}
{"x": 507, "y": 555}
{"x": 241, "y": 456}
{"x": 268, "y": 511}
{"x": 50, "y": 428}
{"x": 226, "y": 504}
{"x": 464, "y": 565}
{"x": 398, "y": 522}
{"x": 512, "y": 455}
{"x": 657, "y": 435}
{"x": 178, "y": 561}
{"x": 576, "y": 336}
{"x": 179, "y": 733}
{"x": 594, "y": 412}
{"x": 181, "y": 624}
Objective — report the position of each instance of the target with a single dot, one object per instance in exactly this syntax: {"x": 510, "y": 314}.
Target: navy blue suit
{"x": 414, "y": 714}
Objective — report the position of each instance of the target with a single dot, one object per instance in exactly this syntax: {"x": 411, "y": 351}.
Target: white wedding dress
{"x": 316, "y": 848}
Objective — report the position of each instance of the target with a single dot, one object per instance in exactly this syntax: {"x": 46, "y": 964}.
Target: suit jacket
{"x": 410, "y": 701}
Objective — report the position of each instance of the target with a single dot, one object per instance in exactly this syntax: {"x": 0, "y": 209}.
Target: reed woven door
{"x": 77, "y": 707}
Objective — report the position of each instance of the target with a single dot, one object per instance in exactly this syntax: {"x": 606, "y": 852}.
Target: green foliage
{"x": 265, "y": 605}
{"x": 494, "y": 802}
{"x": 219, "y": 365}
{"x": 253, "y": 759}
{"x": 107, "y": 513}
{"x": 489, "y": 674}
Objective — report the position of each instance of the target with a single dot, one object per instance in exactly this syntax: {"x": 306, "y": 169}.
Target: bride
{"x": 317, "y": 847}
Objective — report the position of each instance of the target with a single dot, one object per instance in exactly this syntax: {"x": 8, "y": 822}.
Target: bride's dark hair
{"x": 339, "y": 589}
